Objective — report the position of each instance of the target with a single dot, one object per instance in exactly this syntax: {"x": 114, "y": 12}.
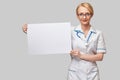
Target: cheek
{"x": 89, "y": 18}
{"x": 80, "y": 19}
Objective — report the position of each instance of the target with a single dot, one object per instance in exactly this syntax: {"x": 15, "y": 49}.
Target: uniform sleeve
{"x": 101, "y": 44}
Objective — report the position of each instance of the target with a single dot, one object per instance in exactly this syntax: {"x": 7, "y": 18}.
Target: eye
{"x": 81, "y": 14}
{"x": 87, "y": 14}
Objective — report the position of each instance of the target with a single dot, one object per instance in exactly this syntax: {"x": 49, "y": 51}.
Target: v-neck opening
{"x": 81, "y": 34}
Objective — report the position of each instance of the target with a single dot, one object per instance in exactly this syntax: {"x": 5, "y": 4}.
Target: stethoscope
{"x": 78, "y": 35}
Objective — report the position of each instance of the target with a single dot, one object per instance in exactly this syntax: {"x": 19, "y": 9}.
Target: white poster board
{"x": 49, "y": 38}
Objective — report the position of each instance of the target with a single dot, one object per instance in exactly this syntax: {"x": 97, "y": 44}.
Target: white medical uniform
{"x": 91, "y": 44}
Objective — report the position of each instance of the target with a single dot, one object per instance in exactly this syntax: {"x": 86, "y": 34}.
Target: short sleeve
{"x": 101, "y": 47}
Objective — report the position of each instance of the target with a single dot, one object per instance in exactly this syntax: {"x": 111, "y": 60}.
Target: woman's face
{"x": 84, "y": 15}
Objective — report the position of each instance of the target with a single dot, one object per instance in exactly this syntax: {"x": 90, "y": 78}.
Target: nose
{"x": 84, "y": 16}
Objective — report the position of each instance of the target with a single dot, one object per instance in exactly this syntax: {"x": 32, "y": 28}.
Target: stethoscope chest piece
{"x": 86, "y": 44}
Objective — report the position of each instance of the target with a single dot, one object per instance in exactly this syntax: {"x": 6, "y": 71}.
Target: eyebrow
{"x": 84, "y": 13}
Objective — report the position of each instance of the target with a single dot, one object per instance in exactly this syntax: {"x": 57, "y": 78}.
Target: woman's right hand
{"x": 24, "y": 28}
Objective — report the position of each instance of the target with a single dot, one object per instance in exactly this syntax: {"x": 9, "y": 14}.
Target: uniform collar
{"x": 79, "y": 29}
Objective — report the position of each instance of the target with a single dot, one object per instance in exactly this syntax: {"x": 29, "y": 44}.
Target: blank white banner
{"x": 49, "y": 38}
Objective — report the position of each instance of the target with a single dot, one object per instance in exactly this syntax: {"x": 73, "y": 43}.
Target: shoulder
{"x": 97, "y": 31}
{"x": 73, "y": 28}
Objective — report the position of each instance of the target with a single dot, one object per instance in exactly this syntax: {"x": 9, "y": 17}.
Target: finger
{"x": 71, "y": 52}
{"x": 24, "y": 28}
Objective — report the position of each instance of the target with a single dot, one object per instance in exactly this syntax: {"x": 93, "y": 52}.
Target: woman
{"x": 88, "y": 46}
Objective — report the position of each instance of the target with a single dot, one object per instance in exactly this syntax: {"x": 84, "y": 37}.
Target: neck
{"x": 85, "y": 27}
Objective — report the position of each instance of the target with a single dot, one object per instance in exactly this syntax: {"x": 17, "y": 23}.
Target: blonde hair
{"x": 86, "y": 5}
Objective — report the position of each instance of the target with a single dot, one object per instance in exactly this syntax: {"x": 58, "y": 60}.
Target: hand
{"x": 24, "y": 28}
{"x": 75, "y": 53}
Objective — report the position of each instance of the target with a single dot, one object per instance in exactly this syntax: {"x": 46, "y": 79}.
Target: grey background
{"x": 16, "y": 64}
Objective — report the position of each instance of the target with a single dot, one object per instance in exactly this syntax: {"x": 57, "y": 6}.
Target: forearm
{"x": 91, "y": 57}
{"x": 88, "y": 57}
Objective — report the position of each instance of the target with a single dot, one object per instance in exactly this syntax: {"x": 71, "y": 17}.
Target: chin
{"x": 85, "y": 23}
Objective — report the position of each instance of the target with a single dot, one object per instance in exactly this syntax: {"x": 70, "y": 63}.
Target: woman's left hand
{"x": 75, "y": 53}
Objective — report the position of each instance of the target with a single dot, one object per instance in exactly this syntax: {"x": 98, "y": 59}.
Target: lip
{"x": 84, "y": 20}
